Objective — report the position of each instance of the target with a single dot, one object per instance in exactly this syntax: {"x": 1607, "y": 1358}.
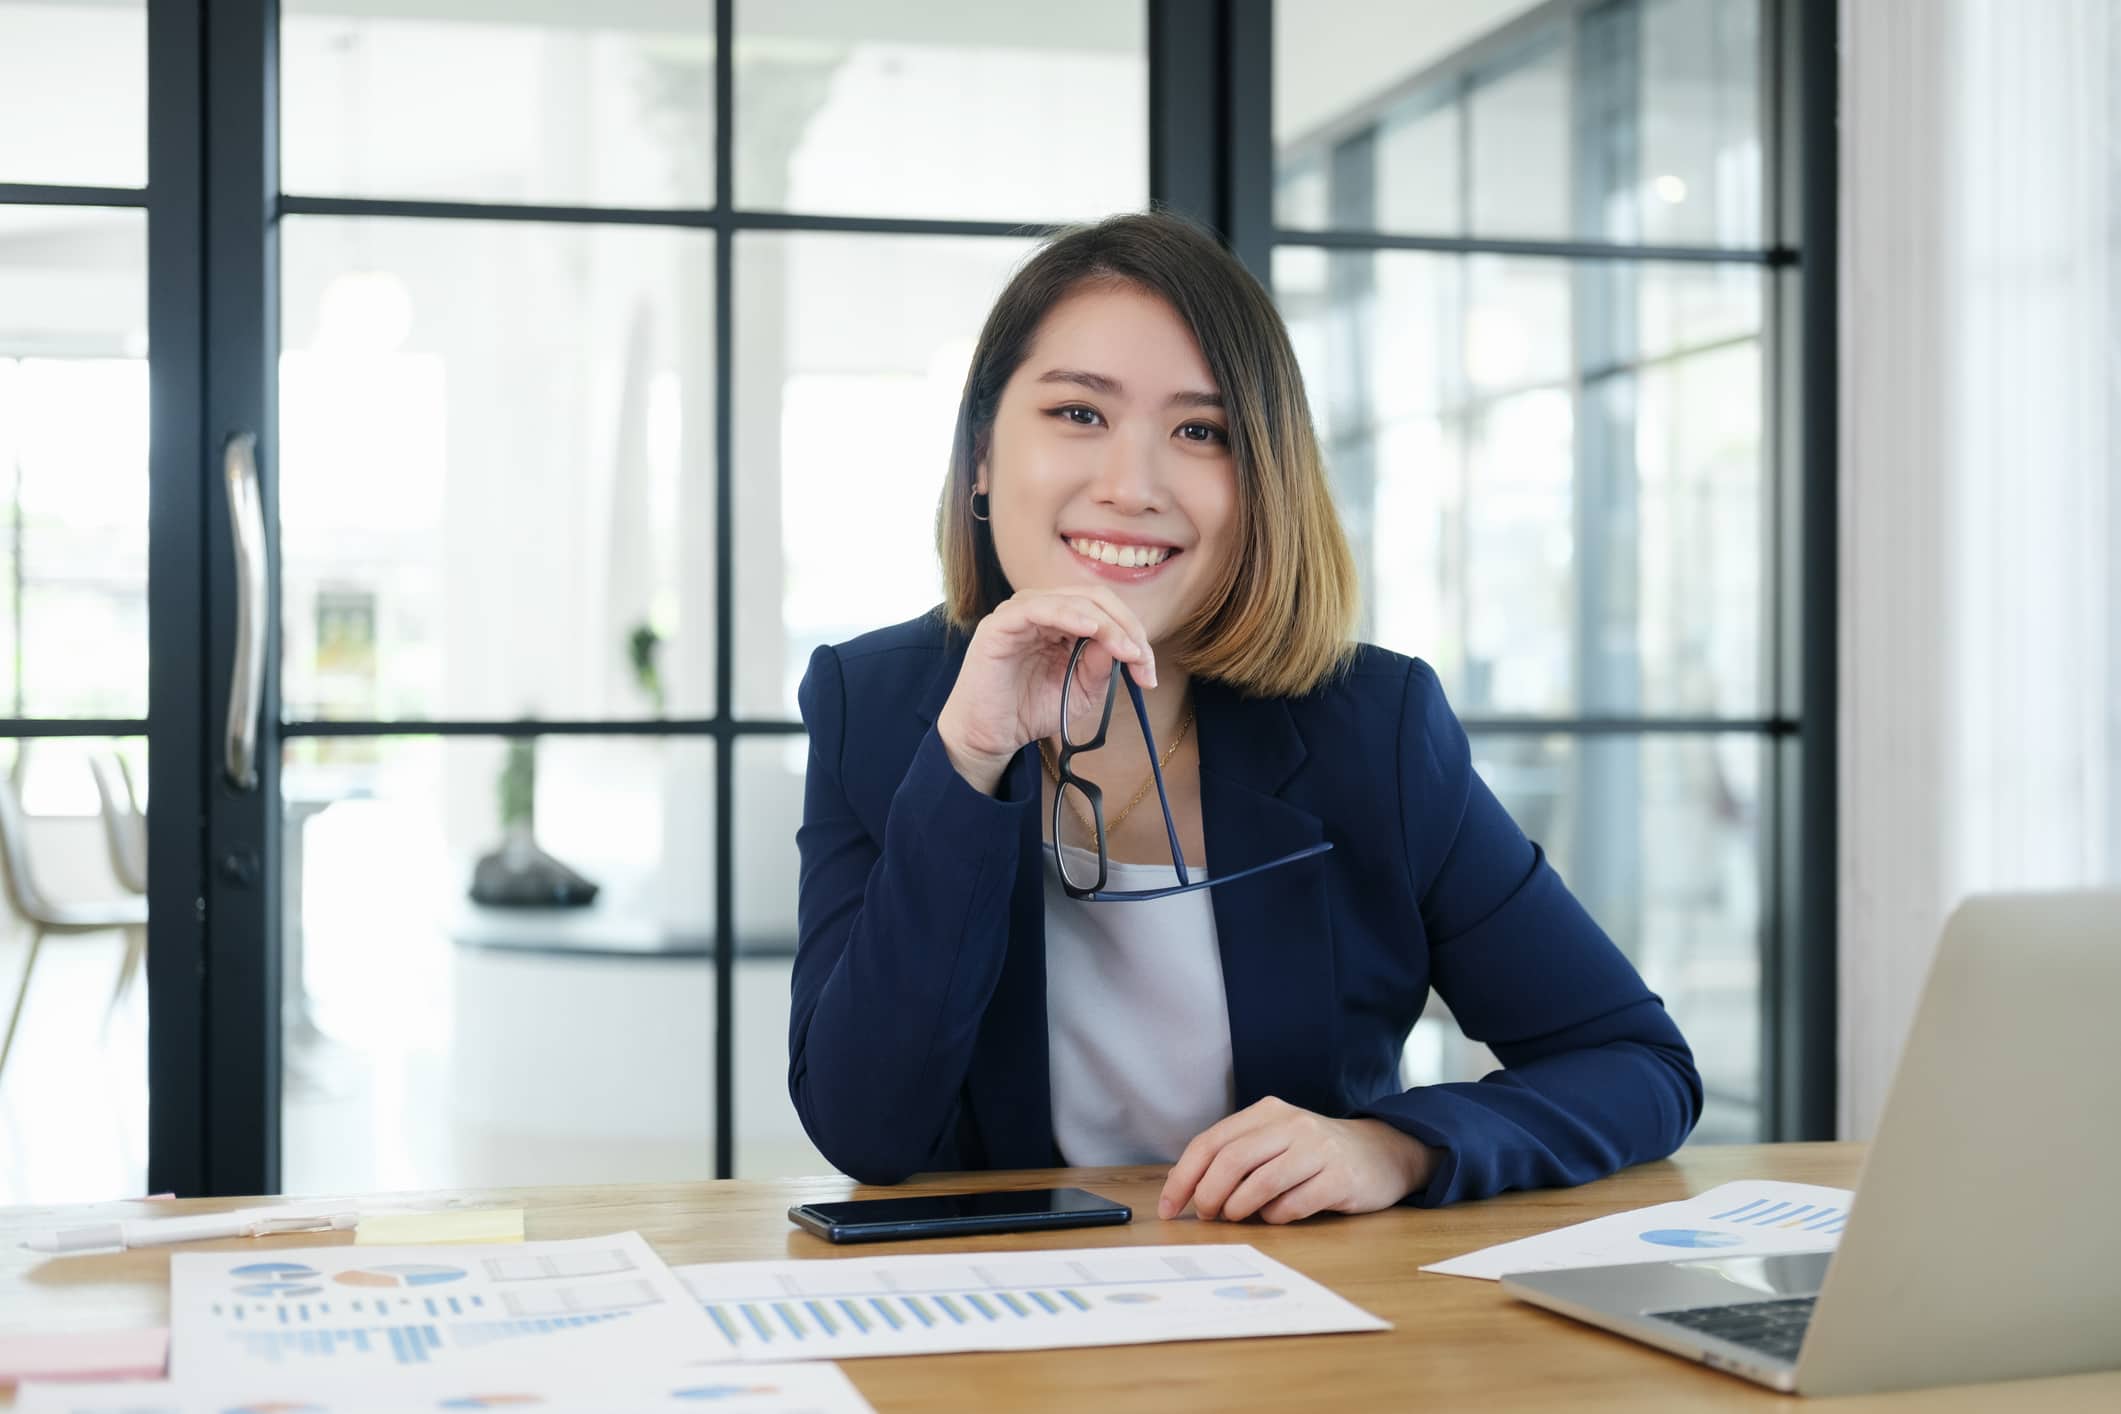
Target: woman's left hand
{"x": 1285, "y": 1163}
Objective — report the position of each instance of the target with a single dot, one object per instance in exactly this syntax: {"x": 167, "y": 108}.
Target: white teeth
{"x": 1122, "y": 556}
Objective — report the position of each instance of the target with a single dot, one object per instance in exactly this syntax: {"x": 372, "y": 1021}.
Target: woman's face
{"x": 1110, "y": 459}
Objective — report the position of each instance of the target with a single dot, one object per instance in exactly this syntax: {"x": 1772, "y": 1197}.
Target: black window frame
{"x": 213, "y": 205}
{"x": 1796, "y": 253}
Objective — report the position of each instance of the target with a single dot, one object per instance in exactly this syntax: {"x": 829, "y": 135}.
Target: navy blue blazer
{"x": 917, "y": 1040}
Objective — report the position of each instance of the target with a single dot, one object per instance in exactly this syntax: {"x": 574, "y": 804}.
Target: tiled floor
{"x": 73, "y": 1100}
{"x": 388, "y": 1103}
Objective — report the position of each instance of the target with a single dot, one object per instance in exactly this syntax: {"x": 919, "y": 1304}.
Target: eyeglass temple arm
{"x": 1144, "y": 895}
{"x": 1163, "y": 797}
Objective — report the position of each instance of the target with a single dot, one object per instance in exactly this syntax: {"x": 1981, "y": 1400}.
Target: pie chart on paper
{"x": 706, "y": 1392}
{"x": 1677, "y": 1237}
{"x": 399, "y": 1275}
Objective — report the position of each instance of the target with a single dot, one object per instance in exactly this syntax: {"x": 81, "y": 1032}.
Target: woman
{"x": 1135, "y": 488}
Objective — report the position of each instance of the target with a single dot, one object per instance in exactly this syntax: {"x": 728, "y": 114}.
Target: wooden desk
{"x": 1457, "y": 1343}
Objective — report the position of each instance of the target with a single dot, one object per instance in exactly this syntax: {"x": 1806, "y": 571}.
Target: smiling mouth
{"x": 1124, "y": 557}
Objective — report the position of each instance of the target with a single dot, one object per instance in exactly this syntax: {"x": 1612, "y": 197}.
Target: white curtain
{"x": 1980, "y": 737}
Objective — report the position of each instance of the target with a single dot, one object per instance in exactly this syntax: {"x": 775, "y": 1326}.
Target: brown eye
{"x": 1205, "y": 433}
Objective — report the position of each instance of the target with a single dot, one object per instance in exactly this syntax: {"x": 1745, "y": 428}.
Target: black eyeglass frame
{"x": 1068, "y": 780}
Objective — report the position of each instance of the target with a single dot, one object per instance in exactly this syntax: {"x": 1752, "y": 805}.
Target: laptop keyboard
{"x": 1772, "y": 1327}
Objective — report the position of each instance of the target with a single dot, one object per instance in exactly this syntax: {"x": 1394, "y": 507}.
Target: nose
{"x": 1129, "y": 478}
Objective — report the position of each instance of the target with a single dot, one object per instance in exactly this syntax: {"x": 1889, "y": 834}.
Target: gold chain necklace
{"x": 1090, "y": 825}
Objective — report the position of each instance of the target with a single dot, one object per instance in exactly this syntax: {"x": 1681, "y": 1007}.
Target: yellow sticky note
{"x": 456, "y": 1225}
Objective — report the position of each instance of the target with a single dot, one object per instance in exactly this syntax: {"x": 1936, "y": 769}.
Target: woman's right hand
{"x": 1009, "y": 688}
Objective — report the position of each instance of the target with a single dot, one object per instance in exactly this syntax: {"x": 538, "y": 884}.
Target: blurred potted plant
{"x": 519, "y": 874}
{"x": 643, "y": 647}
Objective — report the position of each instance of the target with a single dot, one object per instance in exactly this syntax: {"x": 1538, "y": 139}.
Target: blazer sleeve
{"x": 1596, "y": 1076}
{"x": 899, "y": 944}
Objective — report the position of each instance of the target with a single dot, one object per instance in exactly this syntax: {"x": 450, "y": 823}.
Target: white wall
{"x": 1980, "y": 362}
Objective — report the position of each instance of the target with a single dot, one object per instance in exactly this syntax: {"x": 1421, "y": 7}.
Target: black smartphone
{"x": 956, "y": 1214}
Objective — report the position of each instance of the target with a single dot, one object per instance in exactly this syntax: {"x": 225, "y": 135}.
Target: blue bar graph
{"x": 407, "y": 1344}
{"x": 1806, "y": 1217}
{"x": 721, "y": 1319}
{"x": 752, "y": 1323}
{"x": 751, "y": 1314}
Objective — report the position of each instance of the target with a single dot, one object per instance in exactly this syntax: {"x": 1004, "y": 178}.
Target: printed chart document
{"x": 748, "y": 1389}
{"x": 855, "y": 1306}
{"x": 353, "y": 1312}
{"x": 1750, "y": 1218}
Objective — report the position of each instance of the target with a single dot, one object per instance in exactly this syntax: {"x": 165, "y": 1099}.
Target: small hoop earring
{"x": 979, "y": 504}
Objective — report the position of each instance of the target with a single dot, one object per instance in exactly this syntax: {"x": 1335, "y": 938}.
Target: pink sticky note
{"x": 84, "y": 1355}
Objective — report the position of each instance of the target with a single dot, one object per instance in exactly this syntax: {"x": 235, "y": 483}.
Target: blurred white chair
{"x": 125, "y": 834}
{"x": 126, "y": 914}
{"x": 124, "y": 823}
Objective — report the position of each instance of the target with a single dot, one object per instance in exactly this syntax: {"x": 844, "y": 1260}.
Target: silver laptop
{"x": 1985, "y": 1239}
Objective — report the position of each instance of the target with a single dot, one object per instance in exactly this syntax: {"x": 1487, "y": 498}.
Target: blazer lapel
{"x": 1009, "y": 1085}
{"x": 1274, "y": 930}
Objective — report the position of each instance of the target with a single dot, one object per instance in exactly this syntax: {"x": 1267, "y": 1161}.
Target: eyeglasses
{"x": 1074, "y": 742}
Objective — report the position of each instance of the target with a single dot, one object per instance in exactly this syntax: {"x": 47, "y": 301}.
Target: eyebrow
{"x": 1110, "y": 387}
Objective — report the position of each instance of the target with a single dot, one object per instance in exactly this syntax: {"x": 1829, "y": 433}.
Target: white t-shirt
{"x": 1137, "y": 1022}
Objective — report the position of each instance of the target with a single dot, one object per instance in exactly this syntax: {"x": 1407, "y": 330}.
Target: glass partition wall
{"x": 73, "y": 600}
{"x": 1527, "y": 256}
{"x": 600, "y": 366}
{"x": 513, "y": 612}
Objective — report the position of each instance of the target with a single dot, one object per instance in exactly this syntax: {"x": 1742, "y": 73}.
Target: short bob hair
{"x": 1279, "y": 619}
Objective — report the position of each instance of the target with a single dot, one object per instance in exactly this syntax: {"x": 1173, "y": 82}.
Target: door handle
{"x": 246, "y": 677}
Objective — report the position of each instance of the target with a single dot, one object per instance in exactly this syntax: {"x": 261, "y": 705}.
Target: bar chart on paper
{"x": 860, "y": 1306}
{"x": 750, "y": 1388}
{"x": 1784, "y": 1216}
{"x": 1749, "y": 1218}
{"x": 355, "y": 1311}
